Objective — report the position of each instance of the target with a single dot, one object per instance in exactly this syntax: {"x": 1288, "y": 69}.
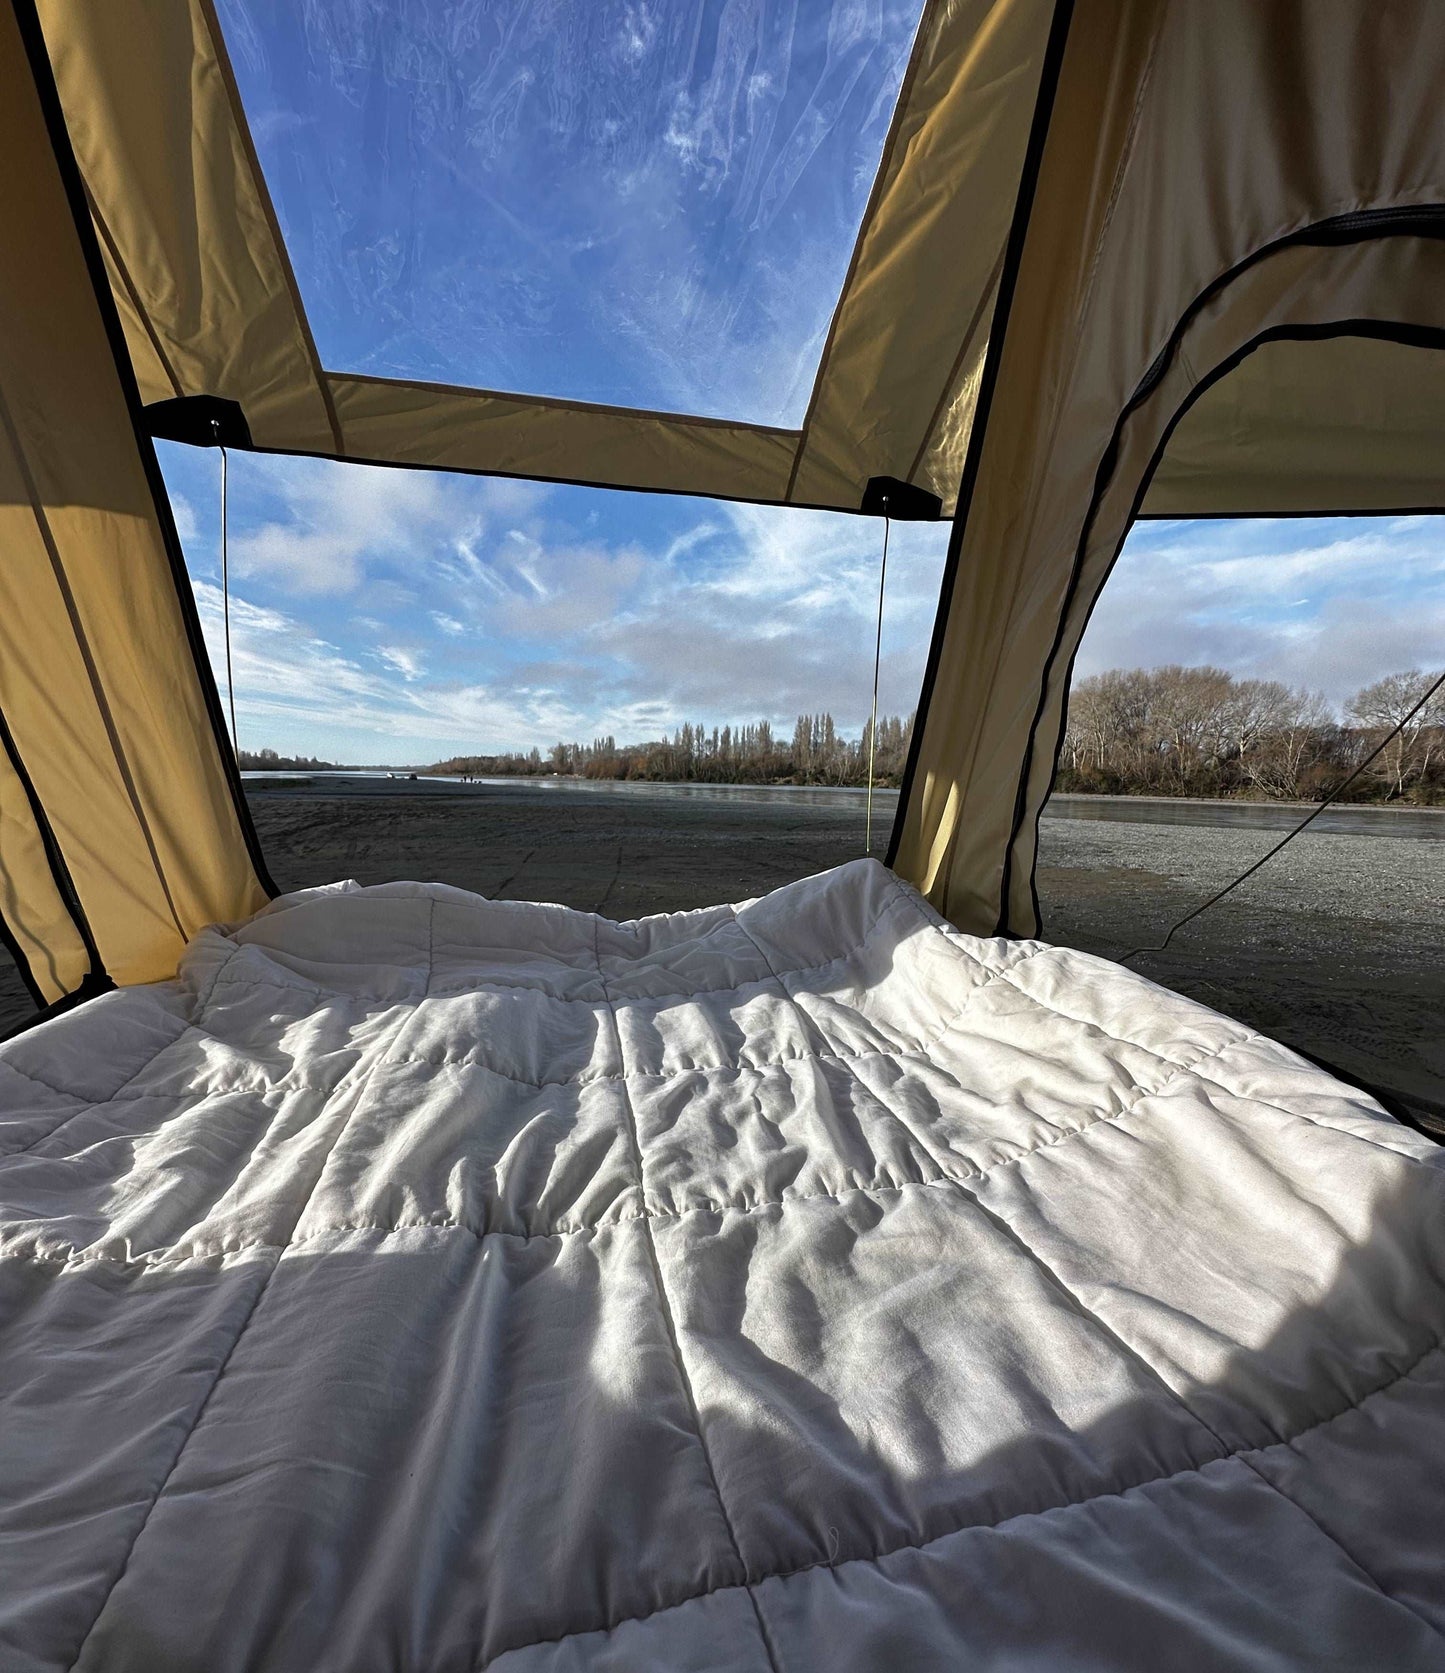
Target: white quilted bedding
{"x": 422, "y": 1282}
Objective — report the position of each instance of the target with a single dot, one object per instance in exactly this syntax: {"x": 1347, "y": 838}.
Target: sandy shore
{"x": 1337, "y": 947}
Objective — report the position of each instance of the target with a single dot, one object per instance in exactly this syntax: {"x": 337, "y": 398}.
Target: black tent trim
{"x": 1053, "y": 64}
{"x": 1413, "y": 336}
{"x": 28, "y": 23}
{"x": 60, "y": 876}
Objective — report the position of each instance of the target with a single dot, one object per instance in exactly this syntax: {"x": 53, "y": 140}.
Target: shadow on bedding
{"x": 936, "y": 1438}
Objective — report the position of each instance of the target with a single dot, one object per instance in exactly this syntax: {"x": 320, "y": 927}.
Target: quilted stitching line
{"x": 1137, "y": 1357}
{"x": 876, "y": 1557}
{"x": 915, "y": 1142}
{"x": 665, "y": 1308}
{"x": 194, "y": 1424}
{"x": 1051, "y": 1009}
{"x": 93, "y": 1103}
{"x": 919, "y": 1050}
{"x": 1339, "y": 1545}
{"x": 870, "y": 1189}
{"x": 86, "y": 1106}
{"x": 360, "y": 1098}
{"x": 284, "y": 1086}
{"x": 1427, "y": 1162}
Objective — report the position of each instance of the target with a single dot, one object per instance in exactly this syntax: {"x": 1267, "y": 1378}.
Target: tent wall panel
{"x": 1186, "y": 141}
{"x": 895, "y": 389}
{"x": 201, "y": 276}
{"x": 99, "y": 679}
{"x": 1347, "y": 425}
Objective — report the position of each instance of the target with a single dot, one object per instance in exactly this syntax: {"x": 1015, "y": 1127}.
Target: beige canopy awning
{"x": 1134, "y": 257}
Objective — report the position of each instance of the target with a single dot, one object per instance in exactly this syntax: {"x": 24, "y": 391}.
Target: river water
{"x": 1359, "y": 820}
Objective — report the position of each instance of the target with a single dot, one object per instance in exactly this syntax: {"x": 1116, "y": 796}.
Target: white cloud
{"x": 184, "y": 514}
{"x": 1329, "y": 606}
{"x": 406, "y": 663}
{"x": 337, "y": 519}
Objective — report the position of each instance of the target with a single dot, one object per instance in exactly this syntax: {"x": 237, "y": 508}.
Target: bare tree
{"x": 1297, "y": 726}
{"x": 1384, "y": 705}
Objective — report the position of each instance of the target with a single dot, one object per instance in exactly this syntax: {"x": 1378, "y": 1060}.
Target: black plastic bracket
{"x": 201, "y": 420}
{"x": 904, "y": 502}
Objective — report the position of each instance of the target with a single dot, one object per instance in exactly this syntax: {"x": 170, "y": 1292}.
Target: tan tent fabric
{"x": 1348, "y": 424}
{"x": 210, "y": 306}
{"x": 1189, "y": 143}
{"x": 201, "y": 277}
{"x": 448, "y": 428}
{"x": 895, "y": 389}
{"x": 99, "y": 686}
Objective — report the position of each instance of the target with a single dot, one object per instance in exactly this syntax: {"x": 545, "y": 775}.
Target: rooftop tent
{"x": 1083, "y": 219}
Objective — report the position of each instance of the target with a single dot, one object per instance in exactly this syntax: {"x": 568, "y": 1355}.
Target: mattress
{"x": 426, "y": 1282}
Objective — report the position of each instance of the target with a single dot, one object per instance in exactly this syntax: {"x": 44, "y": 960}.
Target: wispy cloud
{"x": 1326, "y": 603}
{"x": 477, "y": 617}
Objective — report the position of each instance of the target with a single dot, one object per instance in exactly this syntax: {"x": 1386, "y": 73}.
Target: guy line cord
{"x": 1290, "y": 835}
{"x": 877, "y": 660}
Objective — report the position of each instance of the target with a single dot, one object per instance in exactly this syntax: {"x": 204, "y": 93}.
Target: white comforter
{"x": 423, "y": 1282}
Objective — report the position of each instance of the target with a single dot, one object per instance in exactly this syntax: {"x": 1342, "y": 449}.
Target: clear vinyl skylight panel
{"x": 630, "y": 202}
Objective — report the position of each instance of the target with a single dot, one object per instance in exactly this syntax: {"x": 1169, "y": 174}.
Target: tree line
{"x": 816, "y": 753}
{"x": 1202, "y": 732}
{"x": 267, "y": 760}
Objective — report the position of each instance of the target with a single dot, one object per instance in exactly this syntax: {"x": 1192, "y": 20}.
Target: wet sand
{"x": 1337, "y": 947}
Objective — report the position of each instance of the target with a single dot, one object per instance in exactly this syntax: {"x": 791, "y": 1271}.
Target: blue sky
{"x": 653, "y": 204}
{"x": 640, "y": 202}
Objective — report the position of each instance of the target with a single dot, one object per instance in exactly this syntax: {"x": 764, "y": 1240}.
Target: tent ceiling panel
{"x": 104, "y": 701}
{"x": 206, "y": 291}
{"x": 463, "y": 429}
{"x": 205, "y": 286}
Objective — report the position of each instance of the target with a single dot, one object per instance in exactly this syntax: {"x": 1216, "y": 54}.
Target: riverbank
{"x": 1336, "y": 947}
